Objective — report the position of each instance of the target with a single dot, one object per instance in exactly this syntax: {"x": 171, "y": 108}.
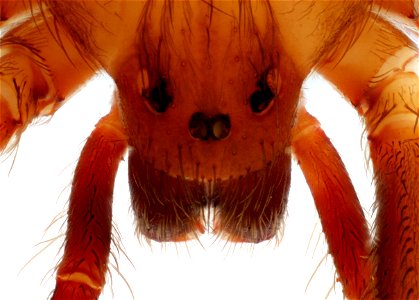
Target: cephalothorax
{"x": 208, "y": 107}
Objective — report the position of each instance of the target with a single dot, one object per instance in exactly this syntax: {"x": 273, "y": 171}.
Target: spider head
{"x": 215, "y": 104}
{"x": 199, "y": 125}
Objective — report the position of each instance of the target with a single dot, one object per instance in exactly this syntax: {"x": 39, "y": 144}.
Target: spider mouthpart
{"x": 245, "y": 209}
{"x": 261, "y": 99}
{"x": 158, "y": 98}
{"x": 203, "y": 128}
{"x": 166, "y": 208}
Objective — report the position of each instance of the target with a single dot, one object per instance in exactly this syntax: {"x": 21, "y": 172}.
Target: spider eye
{"x": 158, "y": 97}
{"x": 261, "y": 99}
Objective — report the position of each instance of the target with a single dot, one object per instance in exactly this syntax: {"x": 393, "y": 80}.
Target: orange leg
{"x": 81, "y": 272}
{"x": 39, "y": 70}
{"x": 339, "y": 210}
{"x": 392, "y": 115}
{"x": 379, "y": 74}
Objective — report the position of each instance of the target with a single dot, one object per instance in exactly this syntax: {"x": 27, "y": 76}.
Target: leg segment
{"x": 81, "y": 272}
{"x": 339, "y": 210}
{"x": 392, "y": 114}
{"x": 38, "y": 71}
{"x": 382, "y": 84}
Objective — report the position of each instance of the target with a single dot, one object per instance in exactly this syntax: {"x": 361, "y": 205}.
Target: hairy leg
{"x": 39, "y": 70}
{"x": 379, "y": 75}
{"x": 81, "y": 272}
{"x": 338, "y": 206}
{"x": 393, "y": 134}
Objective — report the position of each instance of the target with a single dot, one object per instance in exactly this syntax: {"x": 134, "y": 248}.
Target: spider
{"x": 208, "y": 107}
{"x": 301, "y": 270}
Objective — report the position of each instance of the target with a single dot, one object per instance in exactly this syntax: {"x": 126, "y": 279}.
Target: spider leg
{"x": 392, "y": 116}
{"x": 382, "y": 84}
{"x": 340, "y": 212}
{"x": 81, "y": 272}
{"x": 39, "y": 70}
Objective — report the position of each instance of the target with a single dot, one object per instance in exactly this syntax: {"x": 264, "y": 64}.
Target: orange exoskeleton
{"x": 208, "y": 107}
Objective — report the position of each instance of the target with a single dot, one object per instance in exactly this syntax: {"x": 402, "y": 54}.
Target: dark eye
{"x": 157, "y": 97}
{"x": 262, "y": 97}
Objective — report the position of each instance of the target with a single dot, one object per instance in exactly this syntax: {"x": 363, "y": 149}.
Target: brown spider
{"x": 209, "y": 108}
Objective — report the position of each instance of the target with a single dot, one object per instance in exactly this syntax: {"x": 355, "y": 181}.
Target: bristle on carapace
{"x": 246, "y": 209}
